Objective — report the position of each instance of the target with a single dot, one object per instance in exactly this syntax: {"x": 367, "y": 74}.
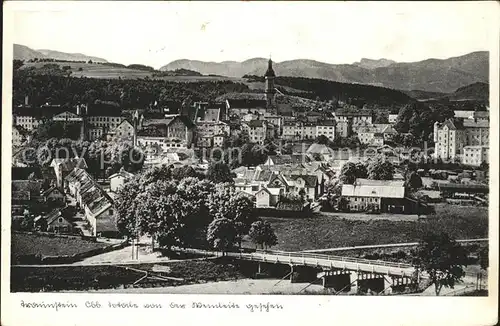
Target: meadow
{"x": 321, "y": 231}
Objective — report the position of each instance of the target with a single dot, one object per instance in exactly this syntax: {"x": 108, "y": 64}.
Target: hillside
{"x": 476, "y": 91}
{"x": 473, "y": 92}
{"x": 432, "y": 75}
{"x": 115, "y": 71}
{"x": 22, "y": 52}
{"x": 372, "y": 64}
{"x": 57, "y": 55}
{"x": 326, "y": 90}
{"x": 424, "y": 95}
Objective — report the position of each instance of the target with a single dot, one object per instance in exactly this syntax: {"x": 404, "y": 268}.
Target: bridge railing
{"x": 266, "y": 254}
{"x": 333, "y": 258}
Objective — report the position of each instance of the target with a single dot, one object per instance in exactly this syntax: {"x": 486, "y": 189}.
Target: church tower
{"x": 81, "y": 110}
{"x": 270, "y": 90}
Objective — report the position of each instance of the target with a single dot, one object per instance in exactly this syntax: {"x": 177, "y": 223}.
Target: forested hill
{"x": 357, "y": 94}
{"x": 129, "y": 93}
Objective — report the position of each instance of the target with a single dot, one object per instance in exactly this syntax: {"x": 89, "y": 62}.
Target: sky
{"x": 156, "y": 33}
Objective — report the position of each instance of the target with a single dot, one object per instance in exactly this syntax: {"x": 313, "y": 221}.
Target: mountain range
{"x": 427, "y": 76}
{"x": 431, "y": 75}
{"x": 22, "y": 52}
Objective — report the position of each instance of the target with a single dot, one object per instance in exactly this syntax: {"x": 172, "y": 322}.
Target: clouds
{"x": 334, "y": 32}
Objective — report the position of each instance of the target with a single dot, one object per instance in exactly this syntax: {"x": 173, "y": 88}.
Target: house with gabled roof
{"x": 63, "y": 166}
{"x": 379, "y": 195}
{"x": 117, "y": 180}
{"x": 286, "y": 159}
{"x": 303, "y": 184}
{"x": 54, "y": 195}
{"x": 96, "y": 203}
{"x": 57, "y": 221}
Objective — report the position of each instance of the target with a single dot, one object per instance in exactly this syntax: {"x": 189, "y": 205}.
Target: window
{"x": 110, "y": 212}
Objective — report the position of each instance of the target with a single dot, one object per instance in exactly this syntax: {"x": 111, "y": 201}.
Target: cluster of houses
{"x": 72, "y": 192}
{"x": 204, "y": 125}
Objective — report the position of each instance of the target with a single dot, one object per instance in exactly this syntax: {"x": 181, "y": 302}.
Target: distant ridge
{"x": 431, "y": 75}
{"x": 22, "y": 52}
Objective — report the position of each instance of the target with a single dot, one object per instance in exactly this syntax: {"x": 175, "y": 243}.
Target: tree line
{"x": 188, "y": 212}
{"x": 130, "y": 93}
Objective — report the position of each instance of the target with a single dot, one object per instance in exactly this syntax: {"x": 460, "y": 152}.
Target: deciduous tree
{"x": 442, "y": 259}
{"x": 222, "y": 234}
{"x": 262, "y": 233}
{"x": 380, "y": 169}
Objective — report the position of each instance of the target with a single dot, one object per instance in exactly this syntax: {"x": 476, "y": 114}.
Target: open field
{"x": 296, "y": 234}
{"x": 23, "y": 244}
{"x": 94, "y": 70}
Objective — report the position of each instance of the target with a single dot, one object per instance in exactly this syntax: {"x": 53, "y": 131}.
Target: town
{"x": 238, "y": 173}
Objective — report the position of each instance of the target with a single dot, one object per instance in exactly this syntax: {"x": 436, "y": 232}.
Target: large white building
{"x": 453, "y": 136}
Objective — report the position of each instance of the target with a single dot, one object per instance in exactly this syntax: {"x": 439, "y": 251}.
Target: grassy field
{"x": 31, "y": 244}
{"x": 329, "y": 231}
{"x": 94, "y": 70}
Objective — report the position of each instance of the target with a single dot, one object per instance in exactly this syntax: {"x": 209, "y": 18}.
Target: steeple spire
{"x": 270, "y": 71}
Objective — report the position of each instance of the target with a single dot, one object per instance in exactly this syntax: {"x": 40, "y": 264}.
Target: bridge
{"x": 325, "y": 262}
{"x": 328, "y": 262}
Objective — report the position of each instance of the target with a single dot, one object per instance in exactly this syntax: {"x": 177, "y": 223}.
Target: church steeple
{"x": 270, "y": 71}
{"x": 270, "y": 90}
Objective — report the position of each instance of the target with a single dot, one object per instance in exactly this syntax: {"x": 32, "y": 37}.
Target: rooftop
{"x": 246, "y": 103}
{"x": 375, "y": 188}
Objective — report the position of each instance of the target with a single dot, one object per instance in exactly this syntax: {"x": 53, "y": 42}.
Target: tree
{"x": 322, "y": 139}
{"x": 351, "y": 171}
{"x": 219, "y": 172}
{"x": 484, "y": 166}
{"x": 185, "y": 171}
{"x": 413, "y": 181}
{"x": 221, "y": 234}
{"x": 225, "y": 202}
{"x": 381, "y": 118}
{"x": 262, "y": 233}
{"x": 483, "y": 258}
{"x": 17, "y": 64}
{"x": 380, "y": 169}
{"x": 442, "y": 258}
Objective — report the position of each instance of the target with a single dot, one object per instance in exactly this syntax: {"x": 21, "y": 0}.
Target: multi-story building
{"x": 218, "y": 140}
{"x": 257, "y": 130}
{"x": 207, "y": 131}
{"x": 125, "y": 130}
{"x": 293, "y": 130}
{"x": 101, "y": 118}
{"x": 174, "y": 131}
{"x": 27, "y": 117}
{"x": 452, "y": 136}
{"x": 355, "y": 116}
{"x": 326, "y": 128}
{"x": 375, "y": 135}
{"x": 475, "y": 155}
